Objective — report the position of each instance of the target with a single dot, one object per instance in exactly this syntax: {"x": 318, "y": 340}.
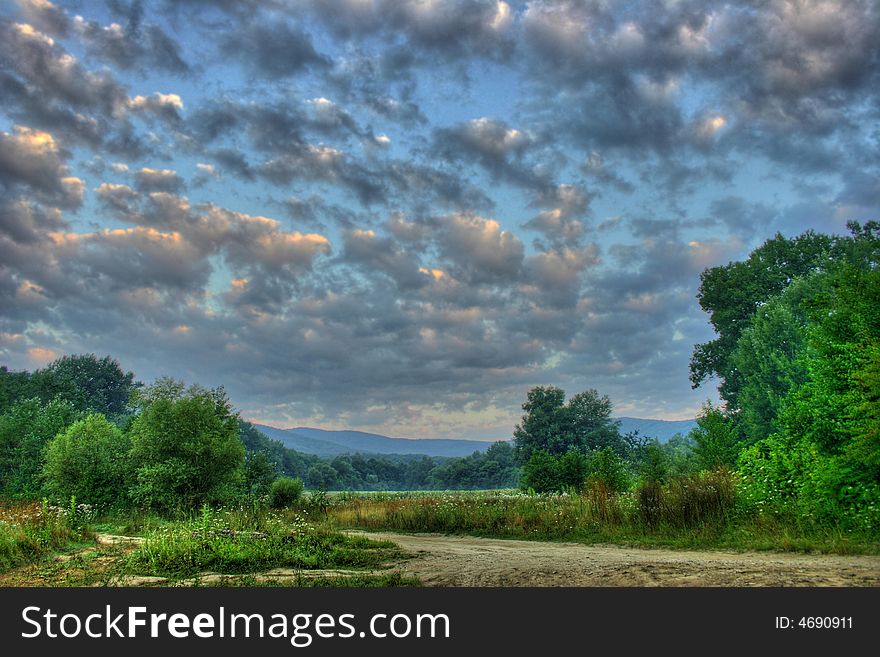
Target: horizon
{"x": 410, "y": 437}
{"x": 401, "y": 216}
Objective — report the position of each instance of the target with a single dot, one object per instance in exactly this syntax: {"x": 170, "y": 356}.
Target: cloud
{"x": 57, "y": 74}
{"x": 33, "y": 159}
{"x": 164, "y": 106}
{"x": 277, "y": 50}
{"x": 482, "y": 250}
{"x": 499, "y": 148}
{"x": 457, "y": 28}
{"x": 158, "y": 180}
{"x": 406, "y": 213}
{"x": 131, "y": 46}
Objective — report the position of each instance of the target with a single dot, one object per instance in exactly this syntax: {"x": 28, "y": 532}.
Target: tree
{"x": 555, "y": 427}
{"x": 259, "y": 473}
{"x": 732, "y": 293}
{"x": 322, "y": 476}
{"x": 186, "y": 451}
{"x": 768, "y": 358}
{"x": 25, "y": 429}
{"x": 543, "y": 427}
{"x": 606, "y": 467}
{"x": 89, "y": 383}
{"x": 89, "y": 460}
{"x": 717, "y": 441}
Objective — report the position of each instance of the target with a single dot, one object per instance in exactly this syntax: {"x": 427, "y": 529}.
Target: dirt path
{"x": 468, "y": 561}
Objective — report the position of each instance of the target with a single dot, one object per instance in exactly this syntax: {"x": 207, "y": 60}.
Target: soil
{"x": 439, "y": 560}
{"x": 467, "y": 561}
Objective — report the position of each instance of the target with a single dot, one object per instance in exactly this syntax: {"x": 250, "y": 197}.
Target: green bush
{"x": 89, "y": 461}
{"x": 228, "y": 543}
{"x": 187, "y": 451}
{"x": 284, "y": 492}
{"x": 794, "y": 479}
{"x": 540, "y": 473}
{"x": 605, "y": 466}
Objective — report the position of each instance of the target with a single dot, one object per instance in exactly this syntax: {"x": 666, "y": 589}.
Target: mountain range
{"x": 322, "y": 442}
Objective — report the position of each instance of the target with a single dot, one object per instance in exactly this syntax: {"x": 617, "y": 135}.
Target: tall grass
{"x": 31, "y": 530}
{"x": 251, "y": 539}
{"x": 699, "y": 511}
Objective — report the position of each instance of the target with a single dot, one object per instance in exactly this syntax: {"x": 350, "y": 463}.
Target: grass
{"x": 44, "y": 545}
{"x": 252, "y": 540}
{"x": 700, "y": 512}
{"x": 32, "y": 530}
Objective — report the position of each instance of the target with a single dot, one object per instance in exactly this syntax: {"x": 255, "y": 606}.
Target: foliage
{"x": 717, "y": 441}
{"x": 186, "y": 451}
{"x": 30, "y": 530}
{"x": 769, "y": 358}
{"x": 87, "y": 382}
{"x": 731, "y": 294}
{"x": 699, "y": 500}
{"x": 25, "y": 429}
{"x": 89, "y": 461}
{"x": 814, "y": 381}
{"x": 552, "y": 426}
{"x": 221, "y": 542}
{"x": 606, "y": 467}
{"x": 284, "y": 492}
{"x": 541, "y": 473}
{"x": 697, "y": 511}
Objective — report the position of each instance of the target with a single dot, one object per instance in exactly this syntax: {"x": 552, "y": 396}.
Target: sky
{"x": 400, "y": 215}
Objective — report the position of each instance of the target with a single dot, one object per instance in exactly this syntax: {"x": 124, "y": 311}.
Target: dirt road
{"x": 467, "y": 561}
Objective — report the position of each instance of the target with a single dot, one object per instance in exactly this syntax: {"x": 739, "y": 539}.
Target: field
{"x": 702, "y": 512}
{"x": 693, "y": 533}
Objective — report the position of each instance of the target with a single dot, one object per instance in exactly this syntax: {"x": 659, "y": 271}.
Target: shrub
{"x": 186, "y": 451}
{"x": 89, "y": 461}
{"x": 608, "y": 468}
{"x": 540, "y": 473}
{"x": 285, "y": 491}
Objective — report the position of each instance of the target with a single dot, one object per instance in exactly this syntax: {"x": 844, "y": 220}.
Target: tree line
{"x": 797, "y": 362}
{"x": 84, "y": 427}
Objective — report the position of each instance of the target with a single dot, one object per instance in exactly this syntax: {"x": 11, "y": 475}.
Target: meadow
{"x": 702, "y": 511}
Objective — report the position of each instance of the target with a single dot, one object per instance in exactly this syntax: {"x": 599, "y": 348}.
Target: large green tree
{"x": 90, "y": 383}
{"x": 732, "y": 293}
{"x": 823, "y": 458}
{"x": 25, "y": 429}
{"x": 186, "y": 450}
{"x": 556, "y": 427}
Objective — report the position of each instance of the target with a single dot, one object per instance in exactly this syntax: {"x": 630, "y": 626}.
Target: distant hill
{"x": 333, "y": 443}
{"x": 662, "y": 430}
